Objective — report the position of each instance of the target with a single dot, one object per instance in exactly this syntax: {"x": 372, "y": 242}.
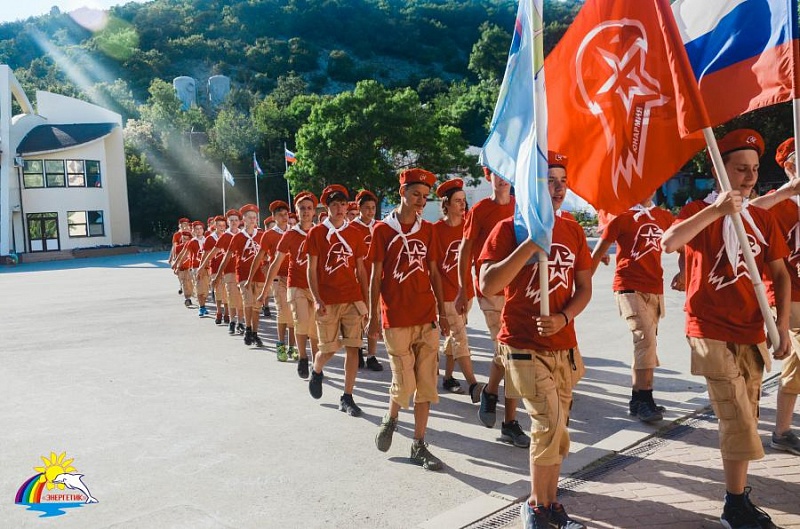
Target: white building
{"x": 62, "y": 173}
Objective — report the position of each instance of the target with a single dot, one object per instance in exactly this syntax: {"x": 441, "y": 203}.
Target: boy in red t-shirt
{"x": 784, "y": 204}
{"x": 181, "y": 265}
{"x": 728, "y": 346}
{"x": 540, "y": 353}
{"x": 291, "y": 249}
{"x": 365, "y": 222}
{"x": 449, "y": 232}
{"x": 220, "y": 296}
{"x": 183, "y": 225}
{"x": 193, "y": 250}
{"x": 226, "y": 272}
{"x": 338, "y": 282}
{"x": 405, "y": 292}
{"x": 639, "y": 292}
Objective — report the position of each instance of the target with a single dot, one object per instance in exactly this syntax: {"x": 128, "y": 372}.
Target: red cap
{"x": 198, "y": 223}
{"x": 276, "y": 205}
{"x": 417, "y": 176}
{"x": 233, "y": 213}
{"x": 783, "y": 152}
{"x": 352, "y": 206}
{"x": 444, "y": 187}
{"x": 219, "y": 218}
{"x": 248, "y": 207}
{"x": 185, "y": 233}
{"x": 365, "y": 195}
{"x": 555, "y": 159}
{"x": 740, "y": 139}
{"x": 334, "y": 192}
{"x": 305, "y": 195}
{"x": 487, "y": 173}
{"x": 183, "y": 220}
{"x": 268, "y": 220}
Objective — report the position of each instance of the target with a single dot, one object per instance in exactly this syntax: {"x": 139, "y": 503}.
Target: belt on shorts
{"x": 529, "y": 356}
{"x": 625, "y": 291}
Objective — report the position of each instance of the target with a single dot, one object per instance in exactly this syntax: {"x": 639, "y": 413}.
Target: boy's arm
{"x": 464, "y": 276}
{"x": 374, "y": 327}
{"x": 313, "y": 284}
{"x": 599, "y": 252}
{"x": 436, "y": 283}
{"x": 552, "y": 324}
{"x": 781, "y": 283}
{"x": 678, "y": 235}
{"x": 770, "y": 199}
{"x": 495, "y": 276}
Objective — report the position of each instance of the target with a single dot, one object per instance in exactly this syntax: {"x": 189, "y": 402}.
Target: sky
{"x": 21, "y": 9}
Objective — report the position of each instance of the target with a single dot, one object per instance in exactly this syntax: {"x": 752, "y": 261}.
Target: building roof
{"x": 48, "y": 138}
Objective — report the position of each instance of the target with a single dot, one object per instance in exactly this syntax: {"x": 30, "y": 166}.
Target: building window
{"x": 85, "y": 224}
{"x": 33, "y": 173}
{"x": 93, "y": 173}
{"x": 54, "y": 173}
{"x": 76, "y": 172}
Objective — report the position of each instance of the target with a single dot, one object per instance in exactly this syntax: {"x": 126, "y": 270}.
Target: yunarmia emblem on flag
{"x": 615, "y": 94}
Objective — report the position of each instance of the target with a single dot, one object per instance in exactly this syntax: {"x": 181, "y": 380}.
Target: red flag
{"x": 616, "y": 85}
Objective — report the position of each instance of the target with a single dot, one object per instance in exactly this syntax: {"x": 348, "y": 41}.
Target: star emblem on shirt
{"x": 410, "y": 259}
{"x": 560, "y": 265}
{"x": 338, "y": 257}
{"x": 647, "y": 240}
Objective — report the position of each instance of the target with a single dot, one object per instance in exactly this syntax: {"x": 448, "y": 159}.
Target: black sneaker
{"x": 218, "y": 319}
{"x": 256, "y": 340}
{"x": 180, "y": 291}
{"x": 348, "y": 405}
{"x": 559, "y": 519}
{"x": 739, "y": 517}
{"x": 633, "y": 407}
{"x": 420, "y": 455}
{"x": 788, "y": 442}
{"x": 226, "y": 319}
{"x": 187, "y": 303}
{"x": 537, "y": 517}
{"x": 315, "y": 384}
{"x": 265, "y": 311}
{"x": 231, "y": 328}
{"x": 240, "y": 328}
{"x": 647, "y": 412}
{"x": 373, "y": 364}
{"x": 302, "y": 368}
{"x": 452, "y": 385}
{"x": 512, "y": 433}
{"x": 361, "y": 362}
{"x": 248, "y": 336}
{"x": 487, "y": 413}
{"x": 383, "y": 439}
{"x": 764, "y": 519}
{"x": 475, "y": 391}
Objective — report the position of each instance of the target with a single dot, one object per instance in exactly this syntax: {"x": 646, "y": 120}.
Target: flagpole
{"x": 744, "y": 243}
{"x": 544, "y": 284}
{"x": 286, "y": 170}
{"x": 255, "y": 174}
{"x": 224, "y": 209}
{"x": 795, "y": 76}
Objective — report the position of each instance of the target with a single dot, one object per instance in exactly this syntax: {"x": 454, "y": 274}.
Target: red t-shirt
{"x": 365, "y": 231}
{"x": 720, "y": 299}
{"x": 194, "y": 249}
{"x": 176, "y": 238}
{"x": 223, "y": 244}
{"x": 210, "y": 244}
{"x": 336, "y": 263}
{"x": 246, "y": 248}
{"x": 293, "y": 245}
{"x": 187, "y": 259}
{"x": 566, "y": 215}
{"x": 787, "y": 214}
{"x": 406, "y": 295}
{"x": 449, "y": 239}
{"x": 568, "y": 254}
{"x": 639, "y": 249}
{"x": 479, "y": 222}
{"x": 269, "y": 241}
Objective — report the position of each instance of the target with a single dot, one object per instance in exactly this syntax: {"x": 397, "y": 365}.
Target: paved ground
{"x": 176, "y": 424}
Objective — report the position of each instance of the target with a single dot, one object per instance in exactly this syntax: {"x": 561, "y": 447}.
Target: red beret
{"x": 210, "y": 220}
{"x": 365, "y": 195}
{"x": 555, "y": 159}
{"x": 219, "y": 218}
{"x": 198, "y": 223}
{"x": 293, "y": 216}
{"x": 185, "y": 233}
{"x": 352, "y": 206}
{"x": 417, "y": 176}
{"x": 276, "y": 205}
{"x": 784, "y": 150}
{"x": 444, "y": 187}
{"x": 233, "y": 213}
{"x": 183, "y": 220}
{"x": 740, "y": 139}
{"x": 268, "y": 220}
{"x": 334, "y": 191}
{"x": 248, "y": 207}
{"x": 487, "y": 173}
{"x": 305, "y": 195}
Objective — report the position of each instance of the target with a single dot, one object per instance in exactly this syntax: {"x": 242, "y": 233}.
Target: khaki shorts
{"x": 302, "y": 304}
{"x": 280, "y": 295}
{"x": 187, "y": 283}
{"x": 492, "y": 308}
{"x": 341, "y": 326}
{"x": 455, "y": 343}
{"x": 220, "y": 293}
{"x": 790, "y": 372}
{"x": 544, "y": 381}
{"x": 232, "y": 289}
{"x": 250, "y": 295}
{"x": 414, "y": 357}
{"x": 733, "y": 375}
{"x": 642, "y": 311}
{"x": 201, "y": 282}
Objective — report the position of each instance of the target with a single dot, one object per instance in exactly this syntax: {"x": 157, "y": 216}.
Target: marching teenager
{"x": 404, "y": 295}
{"x": 449, "y": 232}
{"x": 540, "y": 353}
{"x": 177, "y": 238}
{"x": 226, "y": 272}
{"x": 639, "y": 292}
{"x": 220, "y": 296}
{"x": 365, "y": 222}
{"x": 728, "y": 346}
{"x": 338, "y": 283}
{"x": 194, "y": 252}
{"x": 292, "y": 249}
{"x": 479, "y": 222}
{"x": 181, "y": 265}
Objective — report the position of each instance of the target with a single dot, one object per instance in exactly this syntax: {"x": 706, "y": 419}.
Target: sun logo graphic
{"x": 56, "y": 487}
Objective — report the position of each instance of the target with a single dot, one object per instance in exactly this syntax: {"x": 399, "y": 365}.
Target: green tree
{"x": 490, "y": 53}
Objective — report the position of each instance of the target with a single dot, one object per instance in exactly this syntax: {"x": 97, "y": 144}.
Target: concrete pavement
{"x": 176, "y": 424}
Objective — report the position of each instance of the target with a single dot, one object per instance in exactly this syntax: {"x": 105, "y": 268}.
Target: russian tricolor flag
{"x": 740, "y": 52}
{"x": 289, "y": 155}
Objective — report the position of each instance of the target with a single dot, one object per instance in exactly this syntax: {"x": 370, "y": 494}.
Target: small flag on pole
{"x": 227, "y": 175}
{"x": 256, "y": 168}
{"x": 290, "y": 157}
